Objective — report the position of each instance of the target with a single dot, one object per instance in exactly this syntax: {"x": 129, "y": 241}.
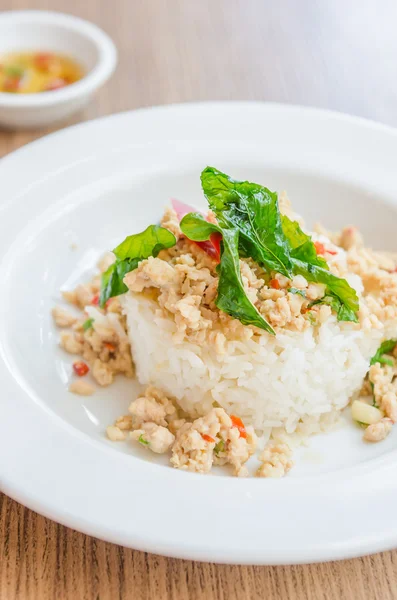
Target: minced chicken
{"x": 184, "y": 281}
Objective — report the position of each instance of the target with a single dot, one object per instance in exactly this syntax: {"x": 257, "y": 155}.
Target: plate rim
{"x": 190, "y": 551}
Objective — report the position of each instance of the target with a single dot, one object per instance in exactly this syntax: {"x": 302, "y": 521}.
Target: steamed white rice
{"x": 270, "y": 382}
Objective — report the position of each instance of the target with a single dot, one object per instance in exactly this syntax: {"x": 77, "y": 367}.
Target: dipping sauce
{"x": 33, "y": 72}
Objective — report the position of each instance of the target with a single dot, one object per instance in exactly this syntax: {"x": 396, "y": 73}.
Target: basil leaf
{"x": 384, "y": 348}
{"x": 340, "y": 295}
{"x": 145, "y": 244}
{"x": 232, "y": 297}
{"x": 301, "y": 245}
{"x": 342, "y": 311}
{"x": 129, "y": 254}
{"x": 88, "y": 324}
{"x": 336, "y": 287}
{"x": 270, "y": 239}
{"x": 196, "y": 228}
{"x": 112, "y": 283}
{"x": 253, "y": 210}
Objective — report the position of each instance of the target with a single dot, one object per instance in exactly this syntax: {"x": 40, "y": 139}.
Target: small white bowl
{"x": 55, "y": 32}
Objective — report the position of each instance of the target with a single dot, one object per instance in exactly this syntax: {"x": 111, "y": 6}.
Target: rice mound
{"x": 287, "y": 381}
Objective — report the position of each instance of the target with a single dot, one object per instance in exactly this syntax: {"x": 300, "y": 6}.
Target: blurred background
{"x": 339, "y": 55}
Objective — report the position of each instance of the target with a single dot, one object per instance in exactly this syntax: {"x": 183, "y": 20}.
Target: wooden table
{"x": 339, "y": 55}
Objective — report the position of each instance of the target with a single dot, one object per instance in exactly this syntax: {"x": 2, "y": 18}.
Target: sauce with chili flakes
{"x": 35, "y": 72}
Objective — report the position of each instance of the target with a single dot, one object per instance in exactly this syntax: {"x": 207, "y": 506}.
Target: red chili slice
{"x": 95, "y": 300}
{"x": 80, "y": 368}
{"x": 207, "y": 438}
{"x": 216, "y": 239}
{"x": 212, "y": 246}
{"x": 237, "y": 422}
{"x": 275, "y": 284}
{"x": 109, "y": 346}
{"x": 320, "y": 248}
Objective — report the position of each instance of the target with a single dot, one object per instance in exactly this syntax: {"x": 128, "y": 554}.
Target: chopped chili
{"x": 275, "y": 284}
{"x": 109, "y": 346}
{"x": 237, "y": 422}
{"x": 207, "y": 438}
{"x": 320, "y": 248}
{"x": 80, "y": 368}
{"x": 95, "y": 300}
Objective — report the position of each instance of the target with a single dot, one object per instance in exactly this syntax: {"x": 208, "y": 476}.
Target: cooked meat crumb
{"x": 71, "y": 342}
{"x": 124, "y": 423}
{"x": 383, "y": 379}
{"x": 63, "y": 317}
{"x": 115, "y": 434}
{"x": 195, "y": 444}
{"x": 276, "y": 460}
{"x": 102, "y": 372}
{"x": 378, "y": 431}
{"x": 153, "y": 406}
{"x": 155, "y": 437}
{"x": 99, "y": 336}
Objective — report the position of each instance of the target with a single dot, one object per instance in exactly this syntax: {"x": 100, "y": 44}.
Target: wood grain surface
{"x": 339, "y": 54}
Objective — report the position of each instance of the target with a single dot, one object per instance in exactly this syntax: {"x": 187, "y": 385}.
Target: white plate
{"x": 95, "y": 183}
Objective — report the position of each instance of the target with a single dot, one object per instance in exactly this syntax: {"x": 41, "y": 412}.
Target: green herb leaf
{"x": 348, "y": 305}
{"x": 232, "y": 298}
{"x": 88, "y": 324}
{"x": 220, "y": 447}
{"x": 272, "y": 240}
{"x": 142, "y": 440}
{"x": 112, "y": 279}
{"x": 129, "y": 254}
{"x": 384, "y": 348}
{"x": 196, "y": 228}
{"x": 145, "y": 244}
{"x": 340, "y": 295}
{"x": 296, "y": 291}
{"x": 301, "y": 245}
{"x": 253, "y": 210}
{"x": 343, "y": 312}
